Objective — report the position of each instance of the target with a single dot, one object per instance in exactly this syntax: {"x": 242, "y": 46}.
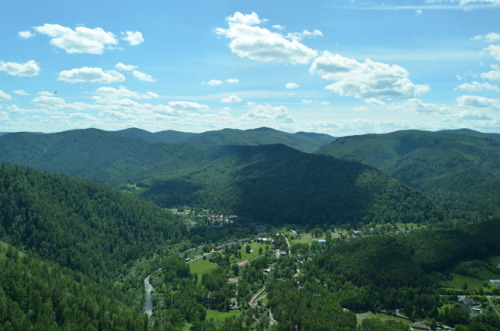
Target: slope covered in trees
{"x": 269, "y": 183}
{"x": 79, "y": 224}
{"x": 41, "y": 295}
{"x": 460, "y": 168}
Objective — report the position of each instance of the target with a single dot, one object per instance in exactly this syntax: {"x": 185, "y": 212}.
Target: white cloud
{"x": 494, "y": 51}
{"x": 232, "y": 81}
{"x": 20, "y": 92}
{"x": 268, "y": 112}
{"x": 125, "y": 67}
{"x": 279, "y": 27}
{"x": 291, "y": 86}
{"x": 374, "y": 101}
{"x": 419, "y": 12}
{"x": 213, "y": 82}
{"x": 259, "y": 44}
{"x": 134, "y": 37}
{"x": 493, "y": 74}
{"x": 46, "y": 93}
{"x": 247, "y": 19}
{"x": 188, "y": 106}
{"x": 489, "y": 37}
{"x": 231, "y": 99}
{"x": 367, "y": 79}
{"x": 80, "y": 40}
{"x": 360, "y": 109}
{"x": 90, "y": 75}
{"x": 305, "y": 34}
{"x": 477, "y": 87}
{"x": 143, "y": 76}
{"x": 111, "y": 95}
{"x": 4, "y": 96}
{"x": 25, "y": 34}
{"x": 478, "y": 102}
{"x": 27, "y": 69}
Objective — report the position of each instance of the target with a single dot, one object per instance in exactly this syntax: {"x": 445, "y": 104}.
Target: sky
{"x": 341, "y": 67}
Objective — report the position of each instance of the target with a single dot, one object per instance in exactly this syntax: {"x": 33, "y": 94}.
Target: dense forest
{"x": 79, "y": 224}
{"x": 458, "y": 168}
{"x": 270, "y": 183}
{"x": 75, "y": 254}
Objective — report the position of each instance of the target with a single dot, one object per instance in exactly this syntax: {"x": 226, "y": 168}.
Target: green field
{"x": 201, "y": 266}
{"x": 383, "y": 317}
{"x": 219, "y": 316}
{"x": 254, "y": 251}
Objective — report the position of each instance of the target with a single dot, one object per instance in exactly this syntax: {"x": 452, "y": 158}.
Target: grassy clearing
{"x": 3, "y": 249}
{"x": 219, "y": 316}
{"x": 382, "y": 317}
{"x": 306, "y": 238}
{"x": 200, "y": 266}
{"x": 254, "y": 251}
{"x": 458, "y": 281}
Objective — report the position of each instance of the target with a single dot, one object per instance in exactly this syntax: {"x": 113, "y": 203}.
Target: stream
{"x": 148, "y": 304}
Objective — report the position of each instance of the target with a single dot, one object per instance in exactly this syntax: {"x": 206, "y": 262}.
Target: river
{"x": 148, "y": 304}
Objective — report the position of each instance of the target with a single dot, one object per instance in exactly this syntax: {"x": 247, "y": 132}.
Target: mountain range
{"x": 265, "y": 183}
{"x": 459, "y": 168}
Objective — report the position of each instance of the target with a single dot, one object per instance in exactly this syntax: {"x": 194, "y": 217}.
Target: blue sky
{"x": 339, "y": 67}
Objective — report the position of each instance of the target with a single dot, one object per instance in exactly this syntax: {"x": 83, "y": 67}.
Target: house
{"x": 467, "y": 301}
{"x": 418, "y": 325}
{"x": 187, "y": 259}
{"x": 495, "y": 281}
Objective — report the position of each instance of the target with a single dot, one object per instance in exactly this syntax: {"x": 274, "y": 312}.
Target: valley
{"x": 246, "y": 230}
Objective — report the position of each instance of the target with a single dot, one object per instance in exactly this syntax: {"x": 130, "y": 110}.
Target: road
{"x": 492, "y": 304}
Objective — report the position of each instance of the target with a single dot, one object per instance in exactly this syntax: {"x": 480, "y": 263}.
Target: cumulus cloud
{"x": 134, "y": 37}
{"x": 367, "y": 79}
{"x": 81, "y": 40}
{"x": 27, "y": 69}
{"x": 90, "y": 75}
{"x": 248, "y": 40}
{"x": 232, "y": 81}
{"x": 231, "y": 99}
{"x": 489, "y": 37}
{"x": 268, "y": 112}
{"x": 188, "y": 106}
{"x": 125, "y": 67}
{"x": 4, "y": 96}
{"x": 25, "y": 34}
{"x": 111, "y": 93}
{"x": 305, "y": 34}
{"x": 143, "y": 76}
{"x": 477, "y": 87}
{"x": 494, "y": 51}
{"x": 213, "y": 82}
{"x": 291, "y": 86}
{"x": 493, "y": 74}
{"x": 478, "y": 102}
{"x": 20, "y": 92}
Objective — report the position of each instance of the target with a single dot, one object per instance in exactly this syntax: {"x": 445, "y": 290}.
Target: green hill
{"x": 36, "y": 294}
{"x": 271, "y": 183}
{"x": 168, "y": 136}
{"x": 79, "y": 224}
{"x": 261, "y": 136}
{"x": 462, "y": 170}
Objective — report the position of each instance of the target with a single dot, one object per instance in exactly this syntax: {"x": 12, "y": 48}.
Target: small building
{"x": 321, "y": 240}
{"x": 187, "y": 259}
{"x": 495, "y": 281}
{"x": 468, "y": 301}
{"x": 418, "y": 325}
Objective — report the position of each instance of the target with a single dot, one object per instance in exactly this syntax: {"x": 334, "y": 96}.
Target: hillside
{"x": 79, "y": 224}
{"x": 261, "y": 136}
{"x": 168, "y": 136}
{"x": 461, "y": 170}
{"x": 37, "y": 294}
{"x": 272, "y": 183}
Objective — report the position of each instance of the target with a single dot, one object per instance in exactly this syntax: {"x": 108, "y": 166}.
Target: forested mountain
{"x": 168, "y": 136}
{"x": 459, "y": 168}
{"x": 301, "y": 141}
{"x": 79, "y": 224}
{"x": 472, "y": 133}
{"x": 37, "y": 294}
{"x": 271, "y": 183}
